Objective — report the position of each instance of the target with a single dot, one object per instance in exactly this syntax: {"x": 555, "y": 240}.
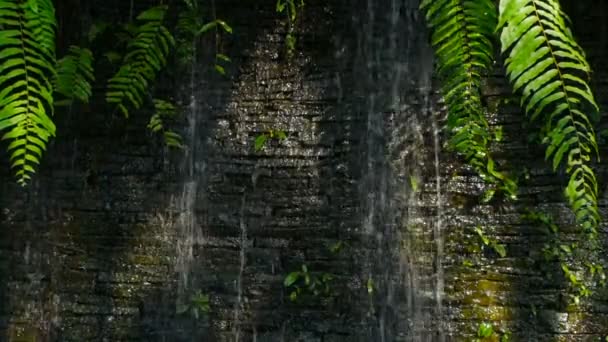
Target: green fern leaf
{"x": 146, "y": 56}
{"x": 27, "y": 66}
{"x": 549, "y": 68}
{"x": 165, "y": 110}
{"x": 462, "y": 35}
{"x": 75, "y": 75}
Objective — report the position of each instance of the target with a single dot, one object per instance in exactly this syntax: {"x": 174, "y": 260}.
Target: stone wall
{"x": 115, "y": 229}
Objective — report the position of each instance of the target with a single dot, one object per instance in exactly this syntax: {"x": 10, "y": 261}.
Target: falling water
{"x": 438, "y": 224}
{"x": 238, "y": 309}
{"x": 188, "y": 234}
{"x": 399, "y": 129}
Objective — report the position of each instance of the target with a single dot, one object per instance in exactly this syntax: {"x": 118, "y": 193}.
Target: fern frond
{"x": 189, "y": 22}
{"x": 75, "y": 75}
{"x": 27, "y": 66}
{"x": 549, "y": 68}
{"x": 146, "y": 56}
{"x": 462, "y": 36}
{"x": 165, "y": 110}
{"x": 44, "y": 29}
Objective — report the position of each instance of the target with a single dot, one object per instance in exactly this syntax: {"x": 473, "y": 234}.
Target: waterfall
{"x": 401, "y": 173}
{"x": 238, "y": 309}
{"x": 188, "y": 234}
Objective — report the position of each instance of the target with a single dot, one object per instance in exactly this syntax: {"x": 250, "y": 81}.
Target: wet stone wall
{"x": 116, "y": 233}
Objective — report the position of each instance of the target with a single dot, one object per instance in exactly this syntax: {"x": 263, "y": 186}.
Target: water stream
{"x": 238, "y": 306}
{"x": 401, "y": 168}
{"x": 401, "y": 173}
{"x": 188, "y": 233}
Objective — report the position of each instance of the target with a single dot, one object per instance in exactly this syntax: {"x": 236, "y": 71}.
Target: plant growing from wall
{"x": 545, "y": 66}
{"x": 146, "y": 55}
{"x": 483, "y": 242}
{"x": 290, "y": 8}
{"x": 34, "y": 82}
{"x": 486, "y": 332}
{"x": 548, "y": 70}
{"x": 462, "y": 35}
{"x": 32, "y": 77}
{"x": 197, "y": 305}
{"x": 163, "y": 111}
{"x": 27, "y": 64}
{"x": 191, "y": 26}
{"x": 493, "y": 244}
{"x": 271, "y": 134}
{"x": 74, "y": 76}
{"x": 304, "y": 284}
{"x": 580, "y": 269}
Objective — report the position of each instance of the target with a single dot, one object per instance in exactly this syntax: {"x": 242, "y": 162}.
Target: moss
{"x": 24, "y": 334}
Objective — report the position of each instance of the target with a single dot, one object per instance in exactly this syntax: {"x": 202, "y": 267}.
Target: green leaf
{"x": 566, "y": 249}
{"x": 146, "y": 55}
{"x": 227, "y": 28}
{"x": 280, "y": 7}
{"x": 291, "y": 278}
{"x": 223, "y": 57}
{"x": 482, "y": 236}
{"x": 260, "y": 141}
{"x": 500, "y": 249}
{"x": 75, "y": 75}
{"x": 27, "y": 61}
{"x": 462, "y": 34}
{"x": 336, "y": 247}
{"x": 207, "y": 27}
{"x": 213, "y": 24}
{"x": 414, "y": 183}
{"x": 220, "y": 69}
{"x": 485, "y": 330}
{"x": 488, "y": 195}
{"x": 547, "y": 65}
{"x": 370, "y": 286}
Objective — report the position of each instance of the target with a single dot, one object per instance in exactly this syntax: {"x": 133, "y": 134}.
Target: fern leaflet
{"x": 165, "y": 110}
{"x": 462, "y": 35}
{"x": 27, "y": 66}
{"x": 75, "y": 75}
{"x": 146, "y": 56}
{"x": 549, "y": 68}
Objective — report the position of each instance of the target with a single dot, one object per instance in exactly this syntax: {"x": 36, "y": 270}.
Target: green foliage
{"x": 190, "y": 26}
{"x": 371, "y": 287}
{"x": 486, "y": 332}
{"x": 96, "y": 29}
{"x": 42, "y": 18}
{"x": 305, "y": 284}
{"x": 146, "y": 56}
{"x": 75, "y": 75}
{"x": 290, "y": 9}
{"x": 576, "y": 262}
{"x": 476, "y": 247}
{"x": 197, "y": 305}
{"x": 500, "y": 249}
{"x": 548, "y": 67}
{"x": 462, "y": 36}
{"x": 415, "y": 182}
{"x": 163, "y": 111}
{"x": 27, "y": 66}
{"x": 262, "y": 139}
